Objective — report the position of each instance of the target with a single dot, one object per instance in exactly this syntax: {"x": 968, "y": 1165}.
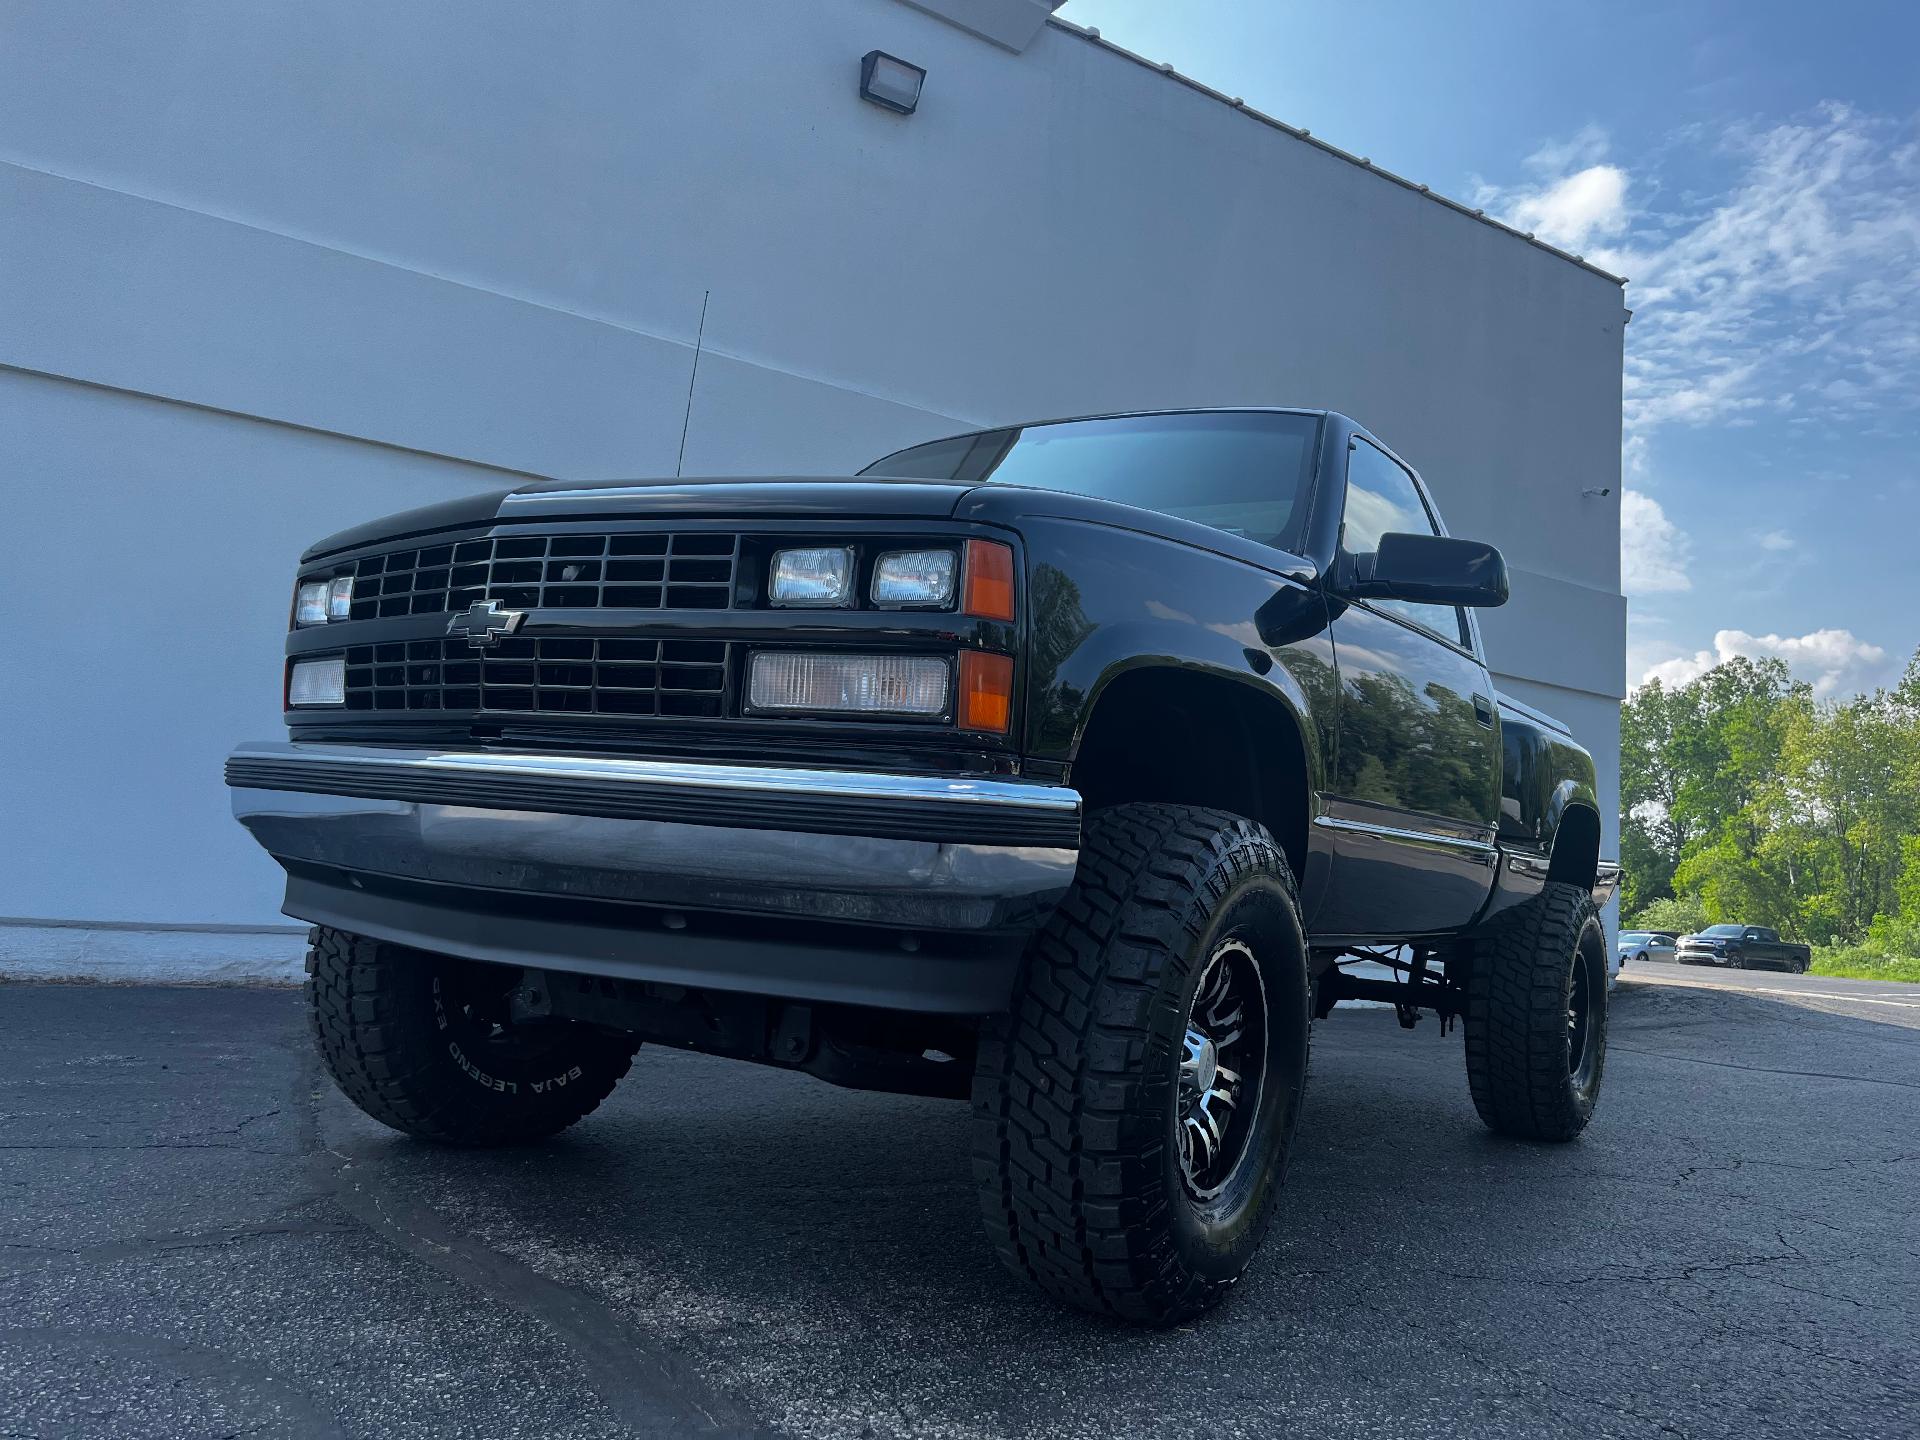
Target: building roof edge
{"x": 1093, "y": 36}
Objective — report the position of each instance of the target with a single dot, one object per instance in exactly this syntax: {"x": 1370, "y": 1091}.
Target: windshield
{"x": 1241, "y": 471}
{"x": 1723, "y": 931}
{"x": 1633, "y": 937}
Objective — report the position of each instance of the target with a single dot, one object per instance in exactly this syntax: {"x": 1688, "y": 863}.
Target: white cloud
{"x": 1572, "y": 211}
{"x": 1796, "y": 287}
{"x": 1586, "y": 146}
{"x": 1775, "y": 540}
{"x": 1653, "y": 550}
{"x": 1836, "y": 662}
{"x": 1577, "y": 198}
{"x": 1681, "y": 669}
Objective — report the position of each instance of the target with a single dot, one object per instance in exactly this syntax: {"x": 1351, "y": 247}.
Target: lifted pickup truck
{"x": 1743, "y": 947}
{"x": 1060, "y": 768}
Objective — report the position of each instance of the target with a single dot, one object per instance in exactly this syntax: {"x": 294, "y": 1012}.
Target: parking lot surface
{"x": 199, "y": 1237}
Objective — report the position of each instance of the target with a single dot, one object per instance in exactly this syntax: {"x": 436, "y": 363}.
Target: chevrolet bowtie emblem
{"x": 485, "y": 623}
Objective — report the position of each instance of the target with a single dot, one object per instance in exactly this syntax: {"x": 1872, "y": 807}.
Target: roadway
{"x": 199, "y": 1237}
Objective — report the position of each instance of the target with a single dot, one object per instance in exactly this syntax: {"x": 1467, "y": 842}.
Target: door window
{"x": 1383, "y": 500}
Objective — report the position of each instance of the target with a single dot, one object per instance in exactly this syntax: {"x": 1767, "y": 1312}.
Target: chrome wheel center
{"x": 1201, "y": 1066}
{"x": 1222, "y": 1064}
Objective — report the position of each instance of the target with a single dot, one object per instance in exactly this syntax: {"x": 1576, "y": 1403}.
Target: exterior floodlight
{"x": 890, "y": 82}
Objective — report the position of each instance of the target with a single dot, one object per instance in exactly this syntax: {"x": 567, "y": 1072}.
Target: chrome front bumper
{"x": 820, "y": 886}
{"x": 1535, "y": 868}
{"x": 919, "y": 852}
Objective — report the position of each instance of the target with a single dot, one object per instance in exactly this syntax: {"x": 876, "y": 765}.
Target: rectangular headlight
{"x": 310, "y": 603}
{"x": 318, "y": 682}
{"x": 818, "y": 576}
{"x": 792, "y": 681}
{"x": 914, "y": 577}
{"x": 340, "y": 597}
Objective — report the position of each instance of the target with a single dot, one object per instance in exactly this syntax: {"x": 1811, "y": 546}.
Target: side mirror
{"x": 1430, "y": 570}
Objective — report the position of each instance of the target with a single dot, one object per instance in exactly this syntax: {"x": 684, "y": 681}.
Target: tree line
{"x": 1747, "y": 800}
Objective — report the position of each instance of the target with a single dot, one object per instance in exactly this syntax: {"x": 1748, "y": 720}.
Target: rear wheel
{"x": 427, "y": 1044}
{"x": 1537, "y": 1017}
{"x": 1134, "y": 1110}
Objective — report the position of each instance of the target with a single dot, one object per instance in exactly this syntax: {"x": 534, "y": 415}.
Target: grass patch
{"x": 1852, "y": 962}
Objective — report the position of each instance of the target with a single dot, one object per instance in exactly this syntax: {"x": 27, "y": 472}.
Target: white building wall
{"x": 266, "y": 271}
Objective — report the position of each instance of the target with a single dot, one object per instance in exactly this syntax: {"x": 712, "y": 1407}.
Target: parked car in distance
{"x": 1640, "y": 946}
{"x": 1743, "y": 947}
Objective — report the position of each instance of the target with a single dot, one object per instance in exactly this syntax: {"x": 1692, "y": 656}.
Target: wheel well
{"x": 1180, "y": 737}
{"x": 1576, "y": 848}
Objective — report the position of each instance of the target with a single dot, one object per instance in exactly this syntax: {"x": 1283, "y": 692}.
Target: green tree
{"x": 1745, "y": 799}
{"x": 1651, "y": 838}
{"x": 1671, "y": 916}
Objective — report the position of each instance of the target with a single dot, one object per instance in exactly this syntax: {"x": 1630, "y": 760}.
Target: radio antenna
{"x": 687, "y": 419}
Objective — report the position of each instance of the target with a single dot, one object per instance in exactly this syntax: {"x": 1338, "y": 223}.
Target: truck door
{"x": 1416, "y": 785}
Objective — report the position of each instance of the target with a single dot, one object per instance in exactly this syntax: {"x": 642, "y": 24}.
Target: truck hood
{"x": 719, "y": 497}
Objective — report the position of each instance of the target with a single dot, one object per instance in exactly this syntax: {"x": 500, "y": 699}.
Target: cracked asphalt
{"x": 198, "y": 1237}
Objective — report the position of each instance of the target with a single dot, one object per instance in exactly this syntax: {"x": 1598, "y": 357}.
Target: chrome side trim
{"x": 1418, "y": 837}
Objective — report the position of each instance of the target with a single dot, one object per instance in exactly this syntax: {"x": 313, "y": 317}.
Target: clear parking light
{"x": 822, "y": 575}
{"x": 795, "y": 682}
{"x": 310, "y": 603}
{"x": 318, "y": 682}
{"x": 340, "y": 597}
{"x": 914, "y": 577}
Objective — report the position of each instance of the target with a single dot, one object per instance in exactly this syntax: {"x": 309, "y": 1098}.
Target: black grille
{"x": 544, "y": 675}
{"x": 691, "y": 571}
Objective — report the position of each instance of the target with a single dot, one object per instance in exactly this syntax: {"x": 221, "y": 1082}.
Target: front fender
{"x": 1107, "y": 601}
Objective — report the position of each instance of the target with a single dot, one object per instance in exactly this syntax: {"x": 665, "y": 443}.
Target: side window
{"x": 1382, "y": 500}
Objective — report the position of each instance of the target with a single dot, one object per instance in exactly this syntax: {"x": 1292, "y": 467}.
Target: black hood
{"x": 719, "y": 497}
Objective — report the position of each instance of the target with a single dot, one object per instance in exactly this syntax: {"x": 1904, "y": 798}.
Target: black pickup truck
{"x": 1068, "y": 769}
{"x": 1743, "y": 947}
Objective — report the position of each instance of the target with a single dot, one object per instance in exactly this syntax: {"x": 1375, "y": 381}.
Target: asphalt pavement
{"x": 199, "y": 1237}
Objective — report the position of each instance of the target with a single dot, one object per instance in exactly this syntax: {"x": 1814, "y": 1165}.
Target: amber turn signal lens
{"x": 986, "y": 691}
{"x": 989, "y": 593}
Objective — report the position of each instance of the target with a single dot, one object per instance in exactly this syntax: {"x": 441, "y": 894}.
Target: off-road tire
{"x": 1076, "y": 1153}
{"x": 394, "y": 1031}
{"x": 1519, "y": 990}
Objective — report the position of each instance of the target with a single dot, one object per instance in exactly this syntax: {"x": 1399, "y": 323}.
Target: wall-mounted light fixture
{"x": 890, "y": 82}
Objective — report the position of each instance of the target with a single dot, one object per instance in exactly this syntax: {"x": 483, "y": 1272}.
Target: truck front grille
{"x": 641, "y": 571}
{"x": 606, "y": 675}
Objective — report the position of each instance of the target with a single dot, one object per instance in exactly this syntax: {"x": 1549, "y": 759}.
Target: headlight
{"x": 786, "y": 680}
{"x": 310, "y": 603}
{"x": 318, "y": 682}
{"x": 340, "y": 597}
{"x": 914, "y": 577}
{"x": 822, "y": 576}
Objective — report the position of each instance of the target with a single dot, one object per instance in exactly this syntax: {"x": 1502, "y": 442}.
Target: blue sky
{"x": 1754, "y": 170}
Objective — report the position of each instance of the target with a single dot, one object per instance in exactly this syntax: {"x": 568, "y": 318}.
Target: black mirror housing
{"x": 1431, "y": 570}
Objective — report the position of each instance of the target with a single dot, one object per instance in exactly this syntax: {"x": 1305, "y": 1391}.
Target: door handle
{"x": 1483, "y": 710}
